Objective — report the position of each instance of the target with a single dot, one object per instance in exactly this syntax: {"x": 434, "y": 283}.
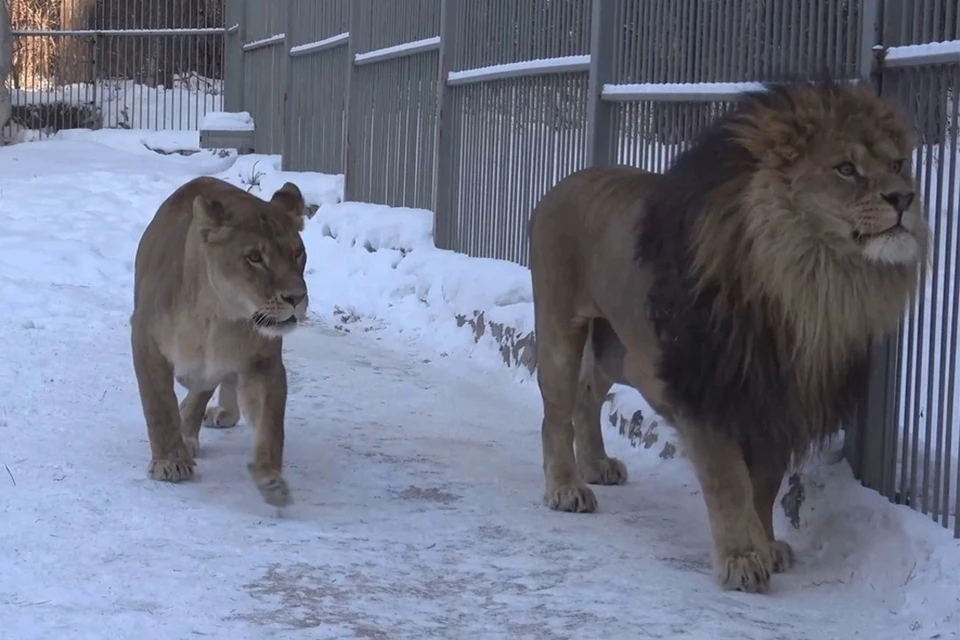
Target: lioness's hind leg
{"x": 263, "y": 393}
{"x": 559, "y": 351}
{"x": 191, "y": 417}
{"x": 742, "y": 555}
{"x": 170, "y": 460}
{"x": 766, "y": 479}
{"x": 226, "y": 413}
{"x": 594, "y": 464}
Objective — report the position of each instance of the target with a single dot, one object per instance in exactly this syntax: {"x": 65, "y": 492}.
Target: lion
{"x": 218, "y": 282}
{"x": 739, "y": 292}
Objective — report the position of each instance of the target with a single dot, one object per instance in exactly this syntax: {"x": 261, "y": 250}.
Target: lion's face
{"x": 256, "y": 259}
{"x": 841, "y": 160}
{"x": 864, "y": 185}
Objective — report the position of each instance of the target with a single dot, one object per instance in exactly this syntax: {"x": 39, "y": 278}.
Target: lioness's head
{"x": 839, "y": 157}
{"x": 255, "y": 257}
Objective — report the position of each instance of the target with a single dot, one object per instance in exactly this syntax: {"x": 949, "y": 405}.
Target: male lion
{"x": 218, "y": 281}
{"x": 739, "y": 292}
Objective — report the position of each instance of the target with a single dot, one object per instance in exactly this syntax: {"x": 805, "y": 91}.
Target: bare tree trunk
{"x": 75, "y": 64}
{"x": 6, "y": 57}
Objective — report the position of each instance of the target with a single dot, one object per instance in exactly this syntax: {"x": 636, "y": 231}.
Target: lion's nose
{"x": 293, "y": 299}
{"x": 899, "y": 201}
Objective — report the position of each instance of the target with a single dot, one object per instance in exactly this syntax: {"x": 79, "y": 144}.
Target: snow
{"x": 526, "y": 67}
{"x": 917, "y": 53}
{"x": 398, "y": 50}
{"x": 412, "y": 453}
{"x": 320, "y": 45}
{"x": 265, "y": 42}
{"x": 652, "y": 90}
{"x": 228, "y": 121}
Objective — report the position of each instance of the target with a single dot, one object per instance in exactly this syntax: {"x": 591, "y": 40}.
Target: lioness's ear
{"x": 289, "y": 198}
{"x": 211, "y": 217}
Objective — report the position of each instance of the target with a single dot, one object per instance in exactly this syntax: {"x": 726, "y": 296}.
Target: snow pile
{"x": 228, "y": 121}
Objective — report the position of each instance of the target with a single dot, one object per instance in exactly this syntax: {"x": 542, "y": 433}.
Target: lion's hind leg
{"x": 594, "y": 464}
{"x": 226, "y": 413}
{"x": 743, "y": 558}
{"x": 559, "y": 352}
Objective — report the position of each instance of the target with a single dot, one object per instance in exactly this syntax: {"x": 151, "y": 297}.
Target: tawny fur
{"x": 739, "y": 292}
{"x": 218, "y": 281}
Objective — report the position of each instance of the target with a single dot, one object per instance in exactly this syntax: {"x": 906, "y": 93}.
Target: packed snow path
{"x": 416, "y": 482}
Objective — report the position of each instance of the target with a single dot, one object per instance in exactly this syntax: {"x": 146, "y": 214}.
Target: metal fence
{"x": 474, "y": 109}
{"x": 143, "y": 64}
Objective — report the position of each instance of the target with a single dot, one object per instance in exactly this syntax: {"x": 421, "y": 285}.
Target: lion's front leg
{"x": 226, "y": 413}
{"x": 263, "y": 394}
{"x": 766, "y": 478}
{"x": 169, "y": 458}
{"x": 743, "y": 557}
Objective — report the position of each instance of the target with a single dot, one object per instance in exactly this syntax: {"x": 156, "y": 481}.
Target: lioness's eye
{"x": 897, "y": 165}
{"x": 846, "y": 169}
{"x": 255, "y": 257}
{"x": 298, "y": 254}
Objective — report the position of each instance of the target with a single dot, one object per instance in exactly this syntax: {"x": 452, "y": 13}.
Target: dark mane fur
{"x": 731, "y": 369}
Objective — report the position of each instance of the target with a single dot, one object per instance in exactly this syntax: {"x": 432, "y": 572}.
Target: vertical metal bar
{"x": 443, "y": 136}
{"x": 288, "y": 114}
{"x": 600, "y": 151}
{"x": 352, "y": 126}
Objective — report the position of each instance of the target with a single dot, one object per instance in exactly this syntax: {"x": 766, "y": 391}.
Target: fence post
{"x": 443, "y": 208}
{"x": 870, "y": 442}
{"x": 350, "y": 157}
{"x": 289, "y": 129}
{"x": 600, "y": 148}
{"x": 235, "y": 73}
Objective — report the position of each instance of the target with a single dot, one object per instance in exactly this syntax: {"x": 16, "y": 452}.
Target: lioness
{"x": 218, "y": 282}
{"x": 739, "y": 292}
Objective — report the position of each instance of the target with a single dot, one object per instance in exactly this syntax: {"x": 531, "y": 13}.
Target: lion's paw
{"x": 746, "y": 571}
{"x": 272, "y": 487}
{"x": 575, "y": 498}
{"x": 219, "y": 418}
{"x": 172, "y": 469}
{"x": 606, "y": 471}
{"x": 783, "y": 556}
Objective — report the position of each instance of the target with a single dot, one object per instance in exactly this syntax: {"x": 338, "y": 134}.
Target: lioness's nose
{"x": 293, "y": 299}
{"x": 899, "y": 200}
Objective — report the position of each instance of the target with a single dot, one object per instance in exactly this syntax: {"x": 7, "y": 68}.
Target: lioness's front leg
{"x": 170, "y": 459}
{"x": 226, "y": 413}
{"x": 263, "y": 393}
{"x": 742, "y": 554}
{"x": 191, "y": 418}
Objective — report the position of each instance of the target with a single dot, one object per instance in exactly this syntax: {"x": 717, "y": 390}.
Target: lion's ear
{"x": 211, "y": 217}
{"x": 290, "y": 200}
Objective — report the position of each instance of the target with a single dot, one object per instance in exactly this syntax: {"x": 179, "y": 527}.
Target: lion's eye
{"x": 846, "y": 169}
{"x": 897, "y": 166}
{"x": 298, "y": 254}
{"x": 255, "y": 257}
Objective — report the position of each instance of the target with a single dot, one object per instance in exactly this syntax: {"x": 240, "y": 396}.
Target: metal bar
{"x": 213, "y": 31}
{"x": 569, "y": 64}
{"x": 279, "y": 38}
{"x": 939, "y": 53}
{"x": 600, "y": 150}
{"x": 443, "y": 139}
{"x": 339, "y": 40}
{"x": 670, "y": 92}
{"x": 397, "y": 51}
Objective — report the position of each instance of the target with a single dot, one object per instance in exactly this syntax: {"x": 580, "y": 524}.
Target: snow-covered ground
{"x": 412, "y": 453}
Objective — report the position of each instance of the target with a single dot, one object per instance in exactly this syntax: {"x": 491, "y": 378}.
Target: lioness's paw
{"x": 219, "y": 418}
{"x": 783, "y": 556}
{"x": 575, "y": 498}
{"x": 193, "y": 446}
{"x": 172, "y": 469}
{"x": 606, "y": 471}
{"x": 747, "y": 571}
{"x": 272, "y": 487}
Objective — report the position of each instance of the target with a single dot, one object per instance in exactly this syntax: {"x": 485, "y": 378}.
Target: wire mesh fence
{"x": 144, "y": 64}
